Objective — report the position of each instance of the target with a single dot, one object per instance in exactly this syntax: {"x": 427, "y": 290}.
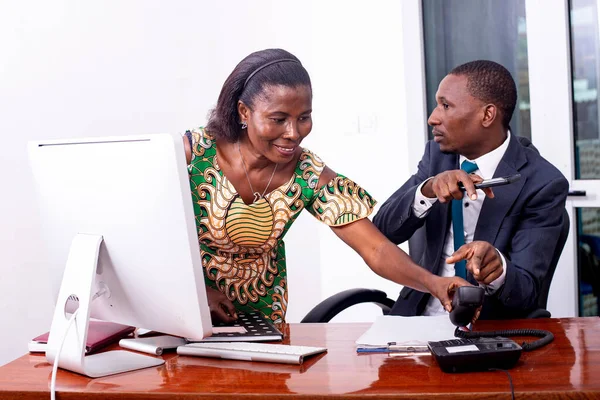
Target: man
{"x": 510, "y": 231}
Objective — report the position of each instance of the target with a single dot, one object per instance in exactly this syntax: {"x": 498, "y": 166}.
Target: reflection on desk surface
{"x": 565, "y": 367}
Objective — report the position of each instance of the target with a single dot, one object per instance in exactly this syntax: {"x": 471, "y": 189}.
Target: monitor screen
{"x": 134, "y": 192}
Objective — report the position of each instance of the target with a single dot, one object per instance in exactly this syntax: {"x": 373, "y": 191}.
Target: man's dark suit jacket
{"x": 523, "y": 221}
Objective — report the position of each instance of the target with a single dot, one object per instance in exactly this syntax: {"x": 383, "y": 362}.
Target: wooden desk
{"x": 567, "y": 368}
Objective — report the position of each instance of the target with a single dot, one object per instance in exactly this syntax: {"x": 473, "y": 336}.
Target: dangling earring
{"x": 244, "y": 125}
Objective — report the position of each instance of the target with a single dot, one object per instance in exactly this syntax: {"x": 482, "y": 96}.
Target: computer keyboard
{"x": 251, "y": 351}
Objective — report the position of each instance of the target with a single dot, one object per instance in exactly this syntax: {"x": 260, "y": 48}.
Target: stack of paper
{"x": 410, "y": 331}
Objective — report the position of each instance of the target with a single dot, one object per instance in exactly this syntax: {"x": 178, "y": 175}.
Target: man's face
{"x": 457, "y": 118}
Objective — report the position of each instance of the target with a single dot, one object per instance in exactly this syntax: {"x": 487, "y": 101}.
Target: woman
{"x": 250, "y": 179}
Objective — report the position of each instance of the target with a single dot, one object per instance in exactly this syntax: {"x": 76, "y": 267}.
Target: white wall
{"x": 72, "y": 68}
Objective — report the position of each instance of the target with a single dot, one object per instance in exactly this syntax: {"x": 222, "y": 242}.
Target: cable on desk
{"x": 546, "y": 337}
{"x": 512, "y": 388}
{"x": 74, "y": 298}
{"x": 55, "y": 366}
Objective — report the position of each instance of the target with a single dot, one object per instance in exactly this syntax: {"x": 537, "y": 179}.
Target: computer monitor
{"x": 118, "y": 224}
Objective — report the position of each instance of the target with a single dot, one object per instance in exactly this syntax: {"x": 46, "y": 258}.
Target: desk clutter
{"x": 340, "y": 373}
{"x": 395, "y": 335}
{"x": 237, "y": 341}
{"x": 473, "y": 351}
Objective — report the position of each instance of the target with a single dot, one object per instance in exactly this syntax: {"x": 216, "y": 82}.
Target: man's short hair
{"x": 490, "y": 82}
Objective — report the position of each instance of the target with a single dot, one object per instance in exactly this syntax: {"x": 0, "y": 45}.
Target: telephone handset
{"x": 465, "y": 303}
{"x": 480, "y": 351}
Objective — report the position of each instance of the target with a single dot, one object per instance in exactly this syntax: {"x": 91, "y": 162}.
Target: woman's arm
{"x": 188, "y": 149}
{"x": 389, "y": 261}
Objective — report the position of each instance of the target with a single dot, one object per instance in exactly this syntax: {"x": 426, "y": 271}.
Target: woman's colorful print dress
{"x": 241, "y": 245}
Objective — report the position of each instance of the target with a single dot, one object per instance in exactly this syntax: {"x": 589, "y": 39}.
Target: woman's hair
{"x": 247, "y": 82}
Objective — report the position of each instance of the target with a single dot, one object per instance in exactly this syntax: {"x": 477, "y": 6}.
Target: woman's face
{"x": 278, "y": 121}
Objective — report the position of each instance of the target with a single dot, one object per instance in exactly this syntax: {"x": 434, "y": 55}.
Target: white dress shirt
{"x": 486, "y": 165}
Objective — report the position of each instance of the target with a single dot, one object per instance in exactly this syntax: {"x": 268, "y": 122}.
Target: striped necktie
{"x": 460, "y": 268}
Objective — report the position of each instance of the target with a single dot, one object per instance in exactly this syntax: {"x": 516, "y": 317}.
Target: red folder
{"x": 100, "y": 334}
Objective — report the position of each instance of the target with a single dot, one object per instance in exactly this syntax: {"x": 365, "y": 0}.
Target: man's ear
{"x": 243, "y": 111}
{"x": 490, "y": 114}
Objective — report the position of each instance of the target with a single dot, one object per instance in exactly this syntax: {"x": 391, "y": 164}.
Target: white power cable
{"x": 99, "y": 293}
{"x": 55, "y": 366}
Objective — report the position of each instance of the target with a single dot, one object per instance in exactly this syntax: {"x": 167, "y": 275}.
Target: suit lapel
{"x": 494, "y": 210}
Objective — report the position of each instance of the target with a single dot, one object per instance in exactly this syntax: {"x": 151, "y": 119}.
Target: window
{"x": 459, "y": 31}
{"x": 585, "y": 66}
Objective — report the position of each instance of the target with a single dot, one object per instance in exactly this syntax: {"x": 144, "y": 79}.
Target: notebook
{"x": 100, "y": 334}
{"x": 250, "y": 327}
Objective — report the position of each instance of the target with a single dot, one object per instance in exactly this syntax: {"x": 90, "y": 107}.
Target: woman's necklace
{"x": 257, "y": 196}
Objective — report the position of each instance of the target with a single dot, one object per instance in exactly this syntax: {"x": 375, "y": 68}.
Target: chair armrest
{"x": 333, "y": 305}
{"x": 539, "y": 313}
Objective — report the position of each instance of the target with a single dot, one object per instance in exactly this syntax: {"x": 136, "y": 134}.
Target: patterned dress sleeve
{"x": 341, "y": 202}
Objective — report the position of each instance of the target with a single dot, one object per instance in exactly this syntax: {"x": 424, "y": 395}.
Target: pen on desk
{"x": 372, "y": 350}
{"x": 393, "y": 348}
{"x": 408, "y": 353}
{"x": 408, "y": 349}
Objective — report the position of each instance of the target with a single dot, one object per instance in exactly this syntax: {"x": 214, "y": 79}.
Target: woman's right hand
{"x": 221, "y": 308}
{"x": 443, "y": 289}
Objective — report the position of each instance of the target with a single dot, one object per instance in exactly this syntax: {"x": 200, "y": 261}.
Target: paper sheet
{"x": 407, "y": 330}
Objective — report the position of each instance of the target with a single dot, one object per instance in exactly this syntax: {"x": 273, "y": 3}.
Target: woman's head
{"x": 253, "y": 81}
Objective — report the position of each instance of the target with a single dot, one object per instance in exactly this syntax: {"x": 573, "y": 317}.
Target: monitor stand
{"x": 78, "y": 280}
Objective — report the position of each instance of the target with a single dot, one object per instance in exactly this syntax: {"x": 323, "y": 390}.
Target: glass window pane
{"x": 588, "y": 233}
{"x": 458, "y": 31}
{"x": 585, "y": 56}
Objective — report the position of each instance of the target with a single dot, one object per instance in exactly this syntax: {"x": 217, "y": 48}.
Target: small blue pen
{"x": 372, "y": 350}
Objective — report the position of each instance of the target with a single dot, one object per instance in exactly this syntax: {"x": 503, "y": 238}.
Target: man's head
{"x": 475, "y": 103}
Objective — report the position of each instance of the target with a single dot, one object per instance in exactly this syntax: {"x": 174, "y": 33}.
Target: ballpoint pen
{"x": 408, "y": 348}
{"x": 372, "y": 350}
{"x": 392, "y": 347}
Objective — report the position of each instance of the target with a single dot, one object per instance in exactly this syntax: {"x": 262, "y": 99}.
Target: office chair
{"x": 590, "y": 263}
{"x": 333, "y": 305}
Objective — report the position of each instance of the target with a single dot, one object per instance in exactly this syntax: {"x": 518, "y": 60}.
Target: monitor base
{"x": 117, "y": 361}
{"x": 67, "y": 338}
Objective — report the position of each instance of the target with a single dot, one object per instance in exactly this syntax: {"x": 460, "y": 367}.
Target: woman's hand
{"x": 443, "y": 288}
{"x": 221, "y": 308}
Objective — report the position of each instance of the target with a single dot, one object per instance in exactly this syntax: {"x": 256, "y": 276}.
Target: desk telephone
{"x": 480, "y": 351}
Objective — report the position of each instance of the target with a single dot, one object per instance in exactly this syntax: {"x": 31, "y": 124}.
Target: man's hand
{"x": 221, "y": 308}
{"x": 443, "y": 289}
{"x": 483, "y": 261}
{"x": 445, "y": 187}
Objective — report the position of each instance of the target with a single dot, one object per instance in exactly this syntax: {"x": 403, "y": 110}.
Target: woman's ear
{"x": 490, "y": 113}
{"x": 243, "y": 111}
